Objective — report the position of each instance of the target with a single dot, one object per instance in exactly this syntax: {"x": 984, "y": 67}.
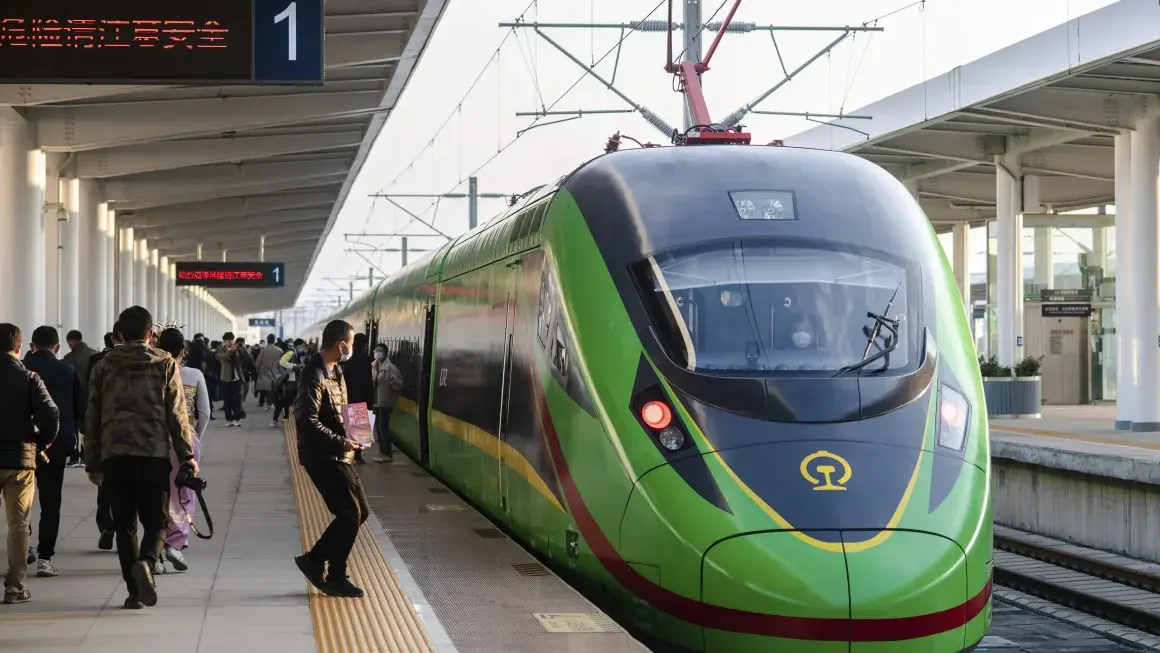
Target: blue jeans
{"x": 382, "y": 435}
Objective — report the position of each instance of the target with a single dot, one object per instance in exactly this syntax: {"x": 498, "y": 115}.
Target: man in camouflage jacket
{"x": 136, "y": 413}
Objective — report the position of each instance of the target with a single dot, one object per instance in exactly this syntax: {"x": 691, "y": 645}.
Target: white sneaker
{"x": 274, "y": 425}
{"x": 45, "y": 569}
{"x": 158, "y": 568}
{"x": 176, "y": 558}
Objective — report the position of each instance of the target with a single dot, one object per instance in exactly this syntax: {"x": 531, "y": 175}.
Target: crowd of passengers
{"x": 133, "y": 415}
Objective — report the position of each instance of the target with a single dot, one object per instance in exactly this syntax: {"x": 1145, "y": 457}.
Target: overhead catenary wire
{"x": 520, "y": 133}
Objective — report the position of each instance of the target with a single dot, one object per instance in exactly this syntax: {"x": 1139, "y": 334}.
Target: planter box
{"x": 1013, "y": 397}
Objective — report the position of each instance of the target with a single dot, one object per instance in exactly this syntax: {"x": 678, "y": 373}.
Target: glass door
{"x": 1104, "y": 352}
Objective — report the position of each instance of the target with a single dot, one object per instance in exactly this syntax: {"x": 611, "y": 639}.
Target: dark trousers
{"x": 104, "y": 509}
{"x": 232, "y": 396}
{"x": 382, "y": 434}
{"x": 138, "y": 488}
{"x": 343, "y": 493}
{"x": 50, "y": 487}
{"x": 263, "y": 397}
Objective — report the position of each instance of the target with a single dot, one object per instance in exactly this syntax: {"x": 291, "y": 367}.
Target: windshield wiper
{"x": 872, "y": 336}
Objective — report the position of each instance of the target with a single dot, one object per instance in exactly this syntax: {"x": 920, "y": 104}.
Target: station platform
{"x": 439, "y": 578}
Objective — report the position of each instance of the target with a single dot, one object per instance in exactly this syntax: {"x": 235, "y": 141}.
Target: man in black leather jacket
{"x": 327, "y": 454}
{"x": 68, "y": 393}
{"x": 28, "y": 423}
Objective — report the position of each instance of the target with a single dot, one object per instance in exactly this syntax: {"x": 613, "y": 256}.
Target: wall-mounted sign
{"x": 144, "y": 41}
{"x": 212, "y": 274}
{"x": 262, "y": 322}
{"x": 1062, "y": 309}
{"x": 1065, "y": 295}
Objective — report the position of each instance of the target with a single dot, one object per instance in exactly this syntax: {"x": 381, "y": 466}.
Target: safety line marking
{"x": 385, "y": 620}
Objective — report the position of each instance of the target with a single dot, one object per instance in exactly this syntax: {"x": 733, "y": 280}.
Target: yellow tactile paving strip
{"x": 1061, "y": 435}
{"x": 383, "y": 621}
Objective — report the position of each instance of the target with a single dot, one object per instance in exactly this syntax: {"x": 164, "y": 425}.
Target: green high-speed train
{"x": 728, "y": 392}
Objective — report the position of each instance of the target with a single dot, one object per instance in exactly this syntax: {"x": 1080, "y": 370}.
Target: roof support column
{"x": 126, "y": 270}
{"x": 164, "y": 308}
{"x": 1009, "y": 263}
{"x": 92, "y": 289}
{"x": 1145, "y": 239}
{"x": 141, "y": 274}
{"x": 961, "y": 263}
{"x": 1125, "y": 322}
{"x": 1044, "y": 259}
{"x": 153, "y": 279}
{"x": 22, "y": 217}
{"x": 70, "y": 250}
{"x": 109, "y": 229}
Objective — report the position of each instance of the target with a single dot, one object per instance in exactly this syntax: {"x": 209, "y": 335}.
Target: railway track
{"x": 1105, "y": 585}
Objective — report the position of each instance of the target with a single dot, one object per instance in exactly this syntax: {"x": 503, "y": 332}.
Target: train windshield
{"x": 757, "y": 307}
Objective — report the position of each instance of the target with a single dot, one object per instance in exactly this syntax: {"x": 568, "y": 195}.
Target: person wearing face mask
{"x": 286, "y": 385}
{"x": 356, "y": 368}
{"x": 388, "y": 381}
{"x": 327, "y": 455}
{"x": 802, "y": 333}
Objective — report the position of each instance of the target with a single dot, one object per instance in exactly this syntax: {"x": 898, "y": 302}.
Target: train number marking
{"x": 443, "y": 377}
{"x": 826, "y": 471}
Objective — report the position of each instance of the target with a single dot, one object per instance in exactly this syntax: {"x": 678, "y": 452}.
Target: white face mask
{"x": 379, "y": 355}
{"x": 344, "y": 356}
{"x": 802, "y": 339}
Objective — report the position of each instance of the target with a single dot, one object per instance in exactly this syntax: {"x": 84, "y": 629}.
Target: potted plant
{"x": 1028, "y": 387}
{"x": 998, "y": 387}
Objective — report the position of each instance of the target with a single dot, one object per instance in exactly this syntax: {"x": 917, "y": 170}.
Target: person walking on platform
{"x": 136, "y": 413}
{"x": 268, "y": 370}
{"x": 78, "y": 357}
{"x": 67, "y": 392}
{"x": 388, "y": 382}
{"x": 230, "y": 379}
{"x": 291, "y": 363}
{"x": 28, "y": 424}
{"x": 326, "y": 454}
{"x": 104, "y": 509}
{"x": 182, "y": 501}
{"x": 359, "y": 381}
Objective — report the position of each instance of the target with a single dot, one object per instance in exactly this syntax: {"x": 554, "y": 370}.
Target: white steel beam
{"x": 164, "y": 240}
{"x": 171, "y": 155}
{"x": 1055, "y": 191}
{"x": 1094, "y": 111}
{"x": 233, "y": 207}
{"x": 343, "y": 50}
{"x": 94, "y": 126}
{"x": 216, "y": 225}
{"x": 25, "y": 95}
{"x": 219, "y": 193}
{"x": 222, "y": 178}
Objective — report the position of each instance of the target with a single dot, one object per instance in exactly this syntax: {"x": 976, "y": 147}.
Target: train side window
{"x": 560, "y": 352}
{"x": 544, "y": 324}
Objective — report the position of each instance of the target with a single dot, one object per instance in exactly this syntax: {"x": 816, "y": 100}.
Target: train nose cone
{"x": 915, "y": 586}
{"x": 795, "y": 592}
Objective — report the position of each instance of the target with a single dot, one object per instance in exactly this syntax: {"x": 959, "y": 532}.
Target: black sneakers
{"x": 312, "y": 570}
{"x": 343, "y": 588}
{"x": 133, "y": 603}
{"x": 106, "y": 541}
{"x": 146, "y": 590}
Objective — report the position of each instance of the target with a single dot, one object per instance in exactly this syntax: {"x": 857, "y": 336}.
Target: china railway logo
{"x": 826, "y": 470}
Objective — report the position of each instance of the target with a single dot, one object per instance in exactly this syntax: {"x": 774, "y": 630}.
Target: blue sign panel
{"x": 288, "y": 41}
{"x": 262, "y": 322}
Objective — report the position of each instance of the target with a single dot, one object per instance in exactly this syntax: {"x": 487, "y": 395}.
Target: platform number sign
{"x": 288, "y": 41}
{"x": 189, "y": 42}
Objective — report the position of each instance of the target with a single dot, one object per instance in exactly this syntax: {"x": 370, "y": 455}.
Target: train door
{"x": 510, "y": 280}
{"x": 425, "y": 382}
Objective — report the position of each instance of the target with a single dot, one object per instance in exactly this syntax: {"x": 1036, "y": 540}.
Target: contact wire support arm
{"x": 652, "y": 118}
{"x": 737, "y": 116}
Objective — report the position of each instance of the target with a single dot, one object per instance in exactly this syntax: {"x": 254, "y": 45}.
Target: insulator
{"x": 656, "y": 121}
{"x": 663, "y": 26}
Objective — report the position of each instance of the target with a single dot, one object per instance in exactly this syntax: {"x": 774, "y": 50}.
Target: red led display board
{"x": 146, "y": 41}
{"x": 231, "y": 275}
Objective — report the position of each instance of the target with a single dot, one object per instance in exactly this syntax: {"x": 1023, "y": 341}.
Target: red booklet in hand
{"x": 356, "y": 421}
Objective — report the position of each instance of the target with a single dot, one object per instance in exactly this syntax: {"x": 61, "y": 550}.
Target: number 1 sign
{"x": 288, "y": 44}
